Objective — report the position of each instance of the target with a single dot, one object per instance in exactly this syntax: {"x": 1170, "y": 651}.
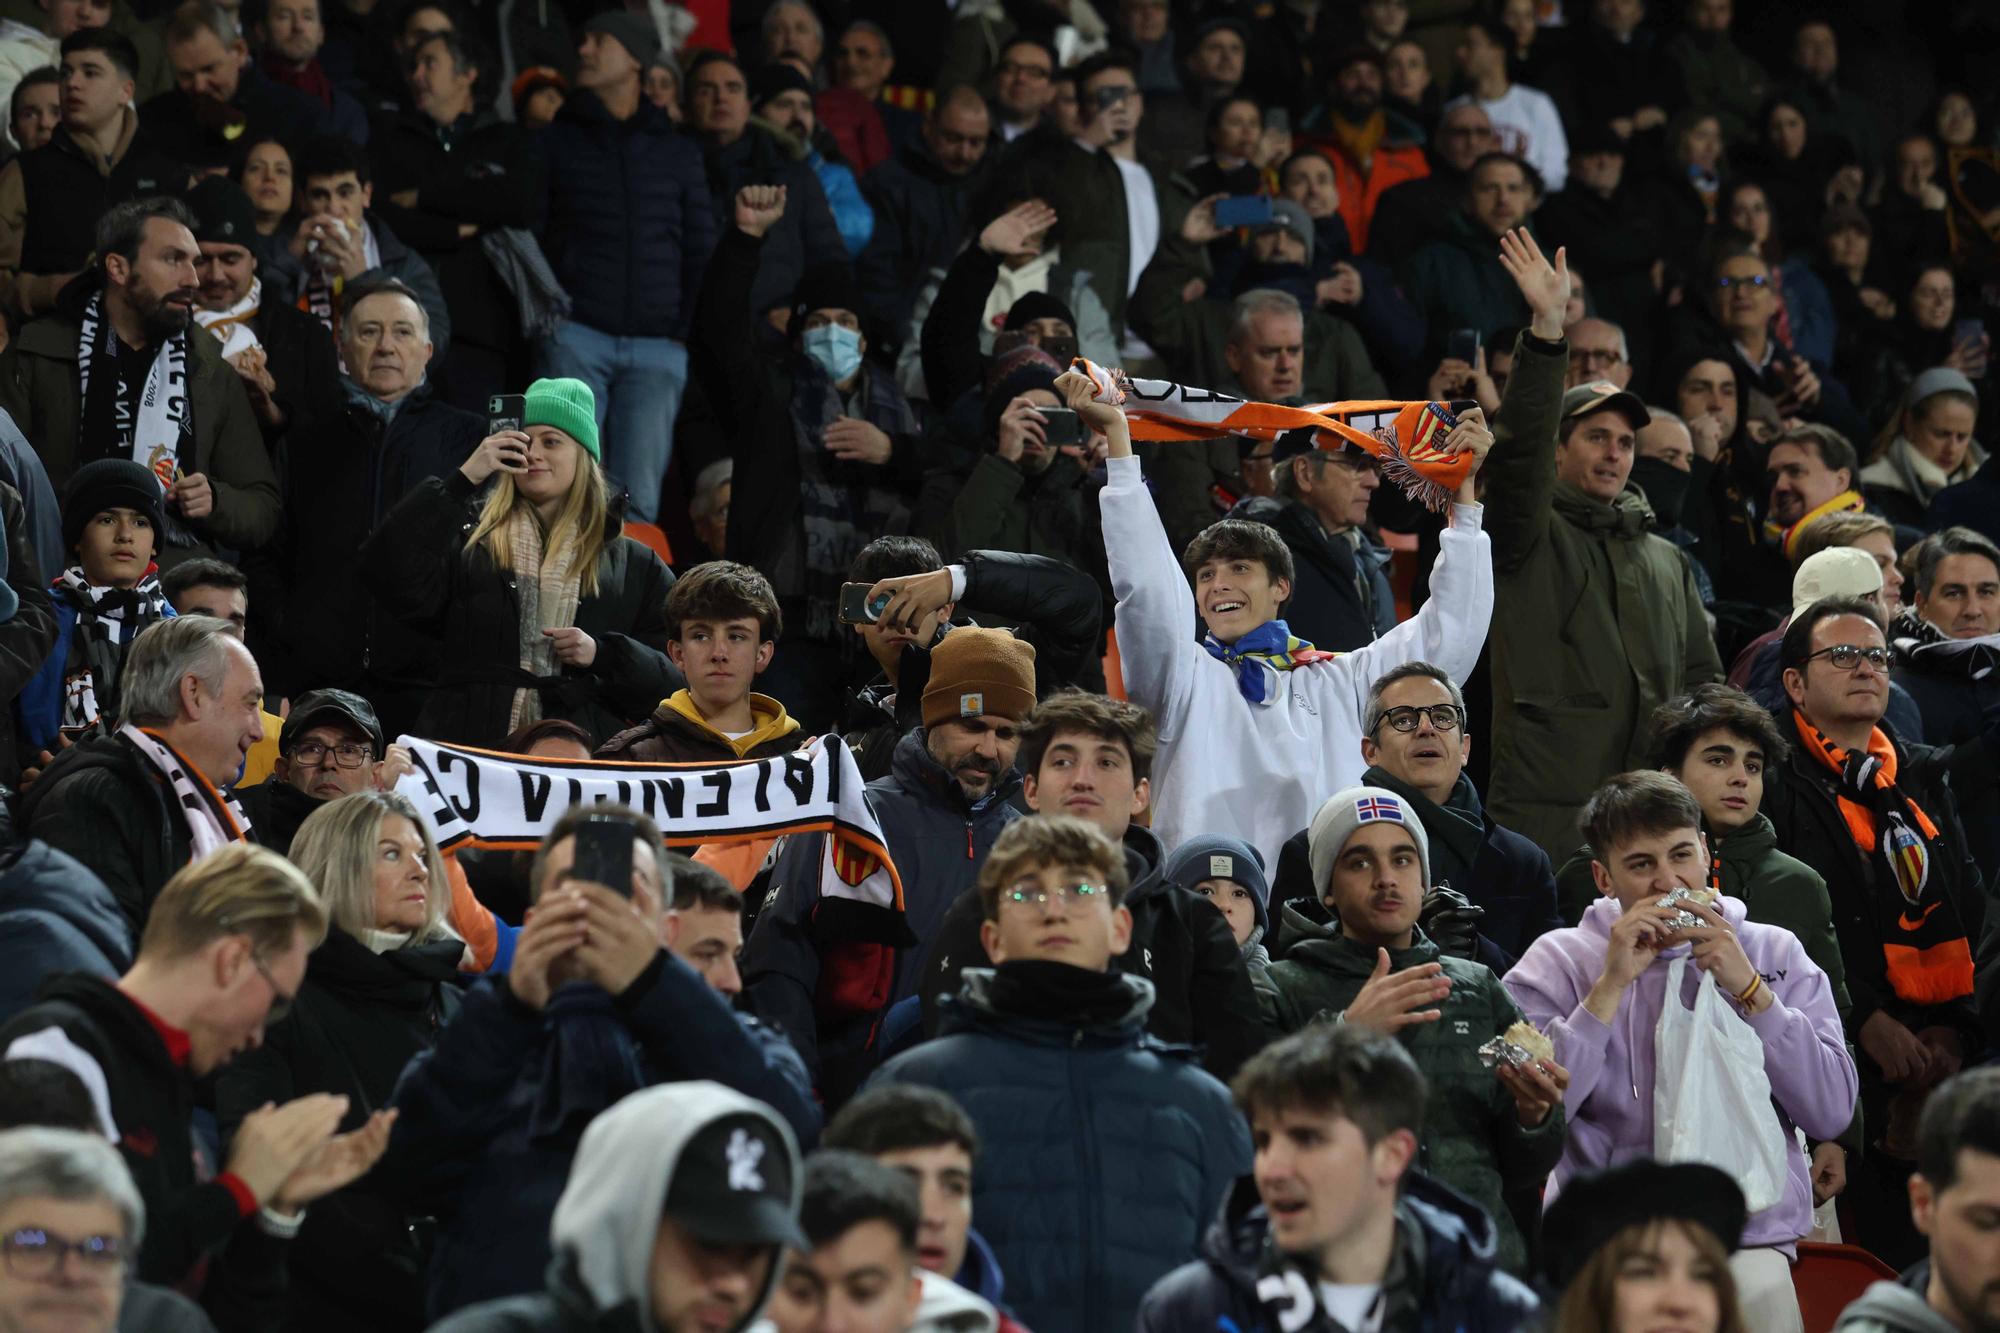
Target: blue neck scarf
{"x": 1270, "y": 647}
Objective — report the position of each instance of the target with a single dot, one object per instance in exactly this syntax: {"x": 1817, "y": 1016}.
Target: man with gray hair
{"x": 71, "y": 1222}
{"x": 1598, "y": 351}
{"x": 137, "y": 805}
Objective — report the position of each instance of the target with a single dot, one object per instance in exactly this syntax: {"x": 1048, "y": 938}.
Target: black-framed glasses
{"x": 1028, "y": 893}
{"x": 1847, "y": 656}
{"x": 1759, "y": 280}
{"x": 347, "y": 754}
{"x": 1443, "y": 717}
{"x": 281, "y": 1003}
{"x": 36, "y": 1254}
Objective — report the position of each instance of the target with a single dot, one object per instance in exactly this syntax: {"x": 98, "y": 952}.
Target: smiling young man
{"x": 1334, "y": 1229}
{"x": 1048, "y": 1045}
{"x": 1599, "y": 989}
{"x": 1485, "y": 1136}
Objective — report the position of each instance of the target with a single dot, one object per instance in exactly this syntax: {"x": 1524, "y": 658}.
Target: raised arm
{"x": 1521, "y": 475}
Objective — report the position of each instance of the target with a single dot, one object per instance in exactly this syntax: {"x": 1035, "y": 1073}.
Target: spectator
{"x": 928, "y": 1137}
{"x": 550, "y": 611}
{"x": 1608, "y": 218}
{"x": 137, "y": 805}
{"x": 661, "y": 85}
{"x": 1485, "y": 1137}
{"x": 864, "y": 58}
{"x": 223, "y": 955}
{"x": 1409, "y": 90}
{"x": 1558, "y": 513}
{"x": 1927, "y": 446}
{"x": 1646, "y": 830}
{"x": 1358, "y": 288}
{"x": 1526, "y": 124}
{"x": 1333, "y": 1209}
{"x": 1340, "y": 591}
{"x": 266, "y": 175}
{"x": 723, "y": 625}
{"x": 1182, "y": 119}
{"x": 1453, "y": 282}
{"x": 708, "y": 507}
{"x": 804, "y": 237}
{"x": 451, "y": 175}
{"x": 678, "y": 1210}
{"x": 1023, "y": 84}
{"x": 1422, "y": 208}
{"x": 29, "y": 628}
{"x": 290, "y": 35}
{"x": 60, "y": 917}
{"x": 1631, "y": 83}
{"x": 920, "y": 198}
{"x": 539, "y": 95}
{"x": 1831, "y": 108}
{"x": 1091, "y": 758}
{"x": 26, "y": 49}
{"x": 35, "y": 108}
{"x": 376, "y": 991}
{"x": 1598, "y": 351}
{"x": 825, "y": 444}
{"x": 1911, "y": 214}
{"x": 783, "y": 98}
{"x": 331, "y": 746}
{"x": 947, "y": 798}
{"x": 860, "y": 1267}
{"x": 341, "y": 244}
{"x": 221, "y": 94}
{"x": 209, "y": 588}
{"x": 1229, "y": 872}
{"x": 1369, "y": 154}
{"x": 111, "y": 519}
{"x": 1646, "y": 1241}
{"x": 1248, "y": 679}
{"x": 1714, "y": 71}
{"x": 1804, "y": 171}
{"x": 63, "y": 1194}
{"x": 284, "y": 357}
{"x": 489, "y": 1118}
{"x": 1049, "y": 1040}
{"x": 1855, "y": 275}
{"x": 1926, "y": 334}
{"x": 1805, "y": 321}
{"x": 1811, "y": 471}
{"x": 391, "y": 434}
{"x": 792, "y": 30}
{"x": 1953, "y": 1181}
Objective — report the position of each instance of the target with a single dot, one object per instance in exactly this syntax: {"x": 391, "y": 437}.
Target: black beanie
{"x": 1034, "y": 306}
{"x": 825, "y": 287}
{"x": 1020, "y": 370}
{"x": 110, "y": 483}
{"x": 771, "y": 80}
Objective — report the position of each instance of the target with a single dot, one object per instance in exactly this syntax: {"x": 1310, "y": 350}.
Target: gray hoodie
{"x": 1891, "y": 1307}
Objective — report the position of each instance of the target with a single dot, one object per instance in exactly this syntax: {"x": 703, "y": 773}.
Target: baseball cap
{"x": 1838, "y": 571}
{"x": 733, "y": 1185}
{"x": 318, "y": 708}
{"x": 1600, "y": 395}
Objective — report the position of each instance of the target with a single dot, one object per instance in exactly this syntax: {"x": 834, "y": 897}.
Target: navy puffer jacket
{"x": 629, "y": 222}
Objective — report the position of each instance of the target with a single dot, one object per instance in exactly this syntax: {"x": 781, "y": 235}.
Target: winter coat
{"x": 300, "y": 356}
{"x": 1775, "y": 889}
{"x": 285, "y": 277}
{"x": 1202, "y": 996}
{"x": 628, "y": 217}
{"x": 358, "y": 1019}
{"x": 1412, "y": 214}
{"x": 920, "y": 213}
{"x": 58, "y": 917}
{"x": 1959, "y": 701}
{"x": 1612, "y": 1067}
{"x": 340, "y": 480}
{"x": 1615, "y": 242}
{"x": 1341, "y": 597}
{"x": 38, "y": 388}
{"x": 490, "y": 1115}
{"x": 1260, "y": 770}
{"x": 105, "y": 804}
{"x": 1398, "y": 158}
{"x": 1443, "y": 1276}
{"x": 988, "y": 502}
{"x": 803, "y": 239}
{"x": 32, "y": 637}
{"x": 1718, "y": 76}
{"x": 1472, "y": 1139}
{"x": 1900, "y": 484}
{"x": 277, "y": 810}
{"x": 676, "y": 733}
{"x": 1597, "y": 620}
{"x": 851, "y": 212}
{"x": 1455, "y": 284}
{"x": 417, "y": 565}
{"x": 1105, "y": 1154}
{"x": 41, "y": 516}
{"x": 66, "y": 194}
{"x": 949, "y": 335}
{"x": 1901, "y": 1306}
{"x": 192, "y": 133}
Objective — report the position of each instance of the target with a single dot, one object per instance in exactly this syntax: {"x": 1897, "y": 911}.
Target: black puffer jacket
{"x": 417, "y": 564}
{"x": 107, "y": 806}
{"x": 804, "y": 238}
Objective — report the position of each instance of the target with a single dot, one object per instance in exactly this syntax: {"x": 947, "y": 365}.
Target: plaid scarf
{"x": 549, "y": 586}
{"x": 1930, "y": 960}
{"x": 214, "y": 820}
{"x": 1405, "y": 438}
{"x": 1847, "y": 502}
{"x": 1269, "y": 648}
{"x": 107, "y": 620}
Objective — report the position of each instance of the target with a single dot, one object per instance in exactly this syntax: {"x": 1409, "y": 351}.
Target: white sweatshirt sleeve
{"x": 1548, "y": 146}
{"x": 1156, "y": 624}
{"x": 1451, "y": 628}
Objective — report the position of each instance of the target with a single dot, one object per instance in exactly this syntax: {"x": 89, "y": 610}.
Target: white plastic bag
{"x": 1711, "y": 1097}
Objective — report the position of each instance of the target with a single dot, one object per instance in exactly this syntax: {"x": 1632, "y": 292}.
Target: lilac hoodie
{"x": 1610, "y": 1097}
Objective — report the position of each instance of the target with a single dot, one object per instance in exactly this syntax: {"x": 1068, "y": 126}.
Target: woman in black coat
{"x": 376, "y": 992}
{"x": 544, "y": 608}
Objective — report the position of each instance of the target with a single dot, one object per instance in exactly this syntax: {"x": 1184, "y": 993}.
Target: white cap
{"x": 1838, "y": 571}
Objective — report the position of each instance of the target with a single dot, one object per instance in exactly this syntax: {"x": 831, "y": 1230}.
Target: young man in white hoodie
{"x": 1268, "y": 728}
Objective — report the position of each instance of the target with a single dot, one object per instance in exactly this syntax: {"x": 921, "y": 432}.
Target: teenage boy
{"x": 928, "y": 1137}
{"x": 1598, "y": 989}
{"x": 722, "y": 630}
{"x": 1333, "y": 1225}
{"x": 1486, "y": 1135}
{"x": 1267, "y": 725}
{"x": 1047, "y": 1052}
{"x": 1091, "y": 757}
{"x": 1229, "y": 873}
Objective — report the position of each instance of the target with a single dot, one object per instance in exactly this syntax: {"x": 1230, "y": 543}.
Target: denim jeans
{"x": 638, "y": 383}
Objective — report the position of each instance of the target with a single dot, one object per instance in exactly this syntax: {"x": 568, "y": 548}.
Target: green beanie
{"x": 569, "y": 406}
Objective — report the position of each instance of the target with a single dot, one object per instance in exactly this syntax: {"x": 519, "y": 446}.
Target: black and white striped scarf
{"x": 152, "y": 424}
{"x": 213, "y": 818}
{"x": 107, "y": 620}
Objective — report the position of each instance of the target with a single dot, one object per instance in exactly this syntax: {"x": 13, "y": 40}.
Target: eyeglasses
{"x": 348, "y": 754}
{"x": 1014, "y": 68}
{"x": 1444, "y": 717}
{"x": 1847, "y": 656}
{"x": 1757, "y": 280}
{"x": 1028, "y": 893}
{"x": 281, "y": 1003}
{"x": 35, "y": 1254}
{"x": 1595, "y": 356}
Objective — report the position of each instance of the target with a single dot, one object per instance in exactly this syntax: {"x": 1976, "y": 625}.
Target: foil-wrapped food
{"x": 1684, "y": 919}
{"x": 1519, "y": 1045}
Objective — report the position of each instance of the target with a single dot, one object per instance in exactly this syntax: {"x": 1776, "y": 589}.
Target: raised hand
{"x": 1079, "y": 394}
{"x": 912, "y": 598}
{"x": 758, "y": 208}
{"x": 1544, "y": 286}
{"x": 1022, "y": 428}
{"x": 1018, "y": 232}
{"x": 619, "y": 942}
{"x": 503, "y": 451}
{"x": 554, "y": 927}
{"x": 1198, "y": 227}
{"x": 1391, "y": 1001}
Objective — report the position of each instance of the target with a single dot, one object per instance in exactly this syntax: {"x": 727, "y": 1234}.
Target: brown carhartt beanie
{"x": 979, "y": 671}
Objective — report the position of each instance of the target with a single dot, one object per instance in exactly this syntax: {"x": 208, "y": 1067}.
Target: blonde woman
{"x": 516, "y": 563}
{"x": 376, "y": 991}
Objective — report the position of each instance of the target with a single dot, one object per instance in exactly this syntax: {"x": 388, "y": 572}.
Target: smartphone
{"x": 1063, "y": 425}
{"x": 604, "y": 854}
{"x": 1462, "y": 345}
{"x": 855, "y": 606}
{"x": 504, "y": 411}
{"x": 1243, "y": 210}
{"x": 1967, "y": 332}
{"x": 1278, "y": 119}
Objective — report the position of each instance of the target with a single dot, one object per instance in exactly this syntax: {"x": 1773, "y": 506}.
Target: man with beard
{"x": 290, "y": 35}
{"x": 1368, "y": 152}
{"x": 77, "y": 383}
{"x": 222, "y": 97}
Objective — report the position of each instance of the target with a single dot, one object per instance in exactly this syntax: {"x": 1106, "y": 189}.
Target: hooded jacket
{"x": 1472, "y": 1139}
{"x": 1896, "y": 1307}
{"x": 1612, "y": 1067}
{"x": 1597, "y": 620}
{"x": 1105, "y": 1151}
{"x": 604, "y": 1225}
{"x": 1442, "y": 1276}
{"x": 59, "y": 917}
{"x": 677, "y": 733}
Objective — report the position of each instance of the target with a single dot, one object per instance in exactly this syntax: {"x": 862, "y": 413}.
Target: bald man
{"x": 920, "y": 198}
